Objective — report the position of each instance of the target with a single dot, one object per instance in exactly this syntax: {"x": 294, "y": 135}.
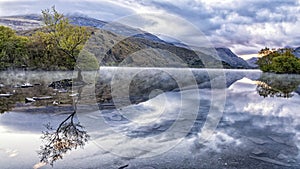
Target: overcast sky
{"x": 245, "y": 26}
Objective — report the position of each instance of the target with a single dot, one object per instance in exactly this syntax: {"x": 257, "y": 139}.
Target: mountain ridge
{"x": 227, "y": 57}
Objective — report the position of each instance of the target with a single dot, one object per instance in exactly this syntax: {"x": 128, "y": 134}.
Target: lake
{"x": 150, "y": 118}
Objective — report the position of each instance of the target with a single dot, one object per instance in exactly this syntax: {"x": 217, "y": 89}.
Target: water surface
{"x": 257, "y": 127}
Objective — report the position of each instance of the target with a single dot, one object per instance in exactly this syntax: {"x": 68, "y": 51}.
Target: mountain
{"x": 144, "y": 49}
{"x": 173, "y": 41}
{"x": 228, "y": 56}
{"x": 297, "y": 52}
{"x": 252, "y": 62}
{"x": 113, "y": 27}
{"x": 22, "y": 22}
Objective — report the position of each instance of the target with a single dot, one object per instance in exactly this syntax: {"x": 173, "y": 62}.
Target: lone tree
{"x": 64, "y": 36}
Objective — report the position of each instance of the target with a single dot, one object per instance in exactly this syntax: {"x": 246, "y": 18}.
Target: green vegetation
{"x": 279, "y": 61}
{"x": 13, "y": 51}
{"x": 56, "y": 46}
{"x": 87, "y": 61}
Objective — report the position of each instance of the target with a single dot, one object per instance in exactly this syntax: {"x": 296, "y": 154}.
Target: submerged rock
{"x": 61, "y": 84}
{"x": 33, "y": 99}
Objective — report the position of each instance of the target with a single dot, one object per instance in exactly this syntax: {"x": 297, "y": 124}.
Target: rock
{"x": 42, "y": 98}
{"x": 33, "y": 99}
{"x": 63, "y": 91}
{"x": 26, "y": 85}
{"x": 5, "y": 95}
{"x": 74, "y": 95}
{"x": 29, "y": 100}
{"x": 55, "y": 102}
{"x": 17, "y": 86}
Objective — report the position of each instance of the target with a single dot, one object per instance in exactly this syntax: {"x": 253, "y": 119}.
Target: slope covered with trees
{"x": 56, "y": 46}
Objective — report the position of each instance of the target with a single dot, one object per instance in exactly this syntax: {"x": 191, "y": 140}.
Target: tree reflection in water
{"x": 277, "y": 85}
{"x": 68, "y": 136}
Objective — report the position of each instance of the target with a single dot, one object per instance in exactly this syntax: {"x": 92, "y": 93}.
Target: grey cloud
{"x": 229, "y": 25}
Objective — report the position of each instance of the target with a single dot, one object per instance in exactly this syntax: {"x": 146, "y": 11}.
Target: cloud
{"x": 243, "y": 26}
{"x": 105, "y": 10}
{"x": 249, "y": 24}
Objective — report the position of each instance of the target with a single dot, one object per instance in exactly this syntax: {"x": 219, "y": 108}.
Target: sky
{"x": 244, "y": 26}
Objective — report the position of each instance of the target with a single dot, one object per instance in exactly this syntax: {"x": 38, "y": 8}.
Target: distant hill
{"x": 229, "y": 57}
{"x": 252, "y": 62}
{"x": 297, "y": 52}
{"x": 144, "y": 49}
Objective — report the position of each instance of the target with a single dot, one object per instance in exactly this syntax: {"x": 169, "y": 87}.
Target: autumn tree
{"x": 63, "y": 36}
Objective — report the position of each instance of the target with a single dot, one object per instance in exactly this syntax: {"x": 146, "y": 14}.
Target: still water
{"x": 150, "y": 118}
